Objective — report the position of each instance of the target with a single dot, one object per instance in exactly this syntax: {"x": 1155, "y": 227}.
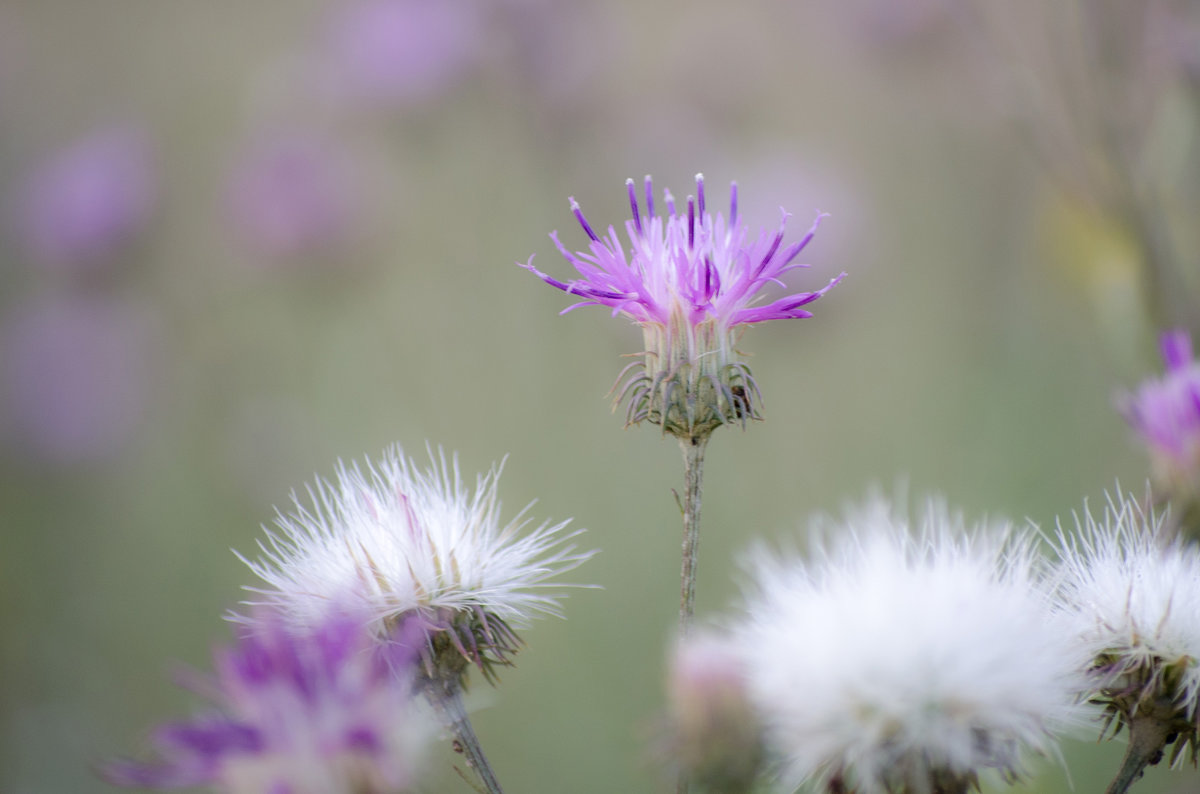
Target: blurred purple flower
{"x": 715, "y": 734}
{"x": 894, "y": 23}
{"x": 75, "y": 374}
{"x": 329, "y": 711}
{"x": 692, "y": 280}
{"x": 560, "y": 50}
{"x": 81, "y": 205}
{"x": 1165, "y": 413}
{"x": 292, "y": 194}
{"x": 1174, "y": 30}
{"x": 782, "y": 179}
{"x": 398, "y": 51}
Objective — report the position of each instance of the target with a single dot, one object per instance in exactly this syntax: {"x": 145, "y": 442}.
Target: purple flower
{"x": 76, "y": 372}
{"x": 715, "y": 734}
{"x": 692, "y": 280}
{"x": 291, "y": 195}
{"x": 1165, "y": 413}
{"x": 328, "y": 711}
{"x": 80, "y": 206}
{"x": 399, "y": 51}
{"x": 895, "y": 23}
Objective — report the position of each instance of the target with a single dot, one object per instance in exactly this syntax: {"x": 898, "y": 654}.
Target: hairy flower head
{"x": 323, "y": 710}
{"x": 400, "y": 542}
{"x": 692, "y": 280}
{"x": 906, "y": 660}
{"x": 1133, "y": 597}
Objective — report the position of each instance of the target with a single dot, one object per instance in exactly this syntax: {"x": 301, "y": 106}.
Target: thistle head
{"x": 898, "y": 660}
{"x": 1131, "y": 592}
{"x": 1165, "y": 414}
{"x": 321, "y": 710}
{"x": 693, "y": 280}
{"x": 417, "y": 547}
{"x": 715, "y": 734}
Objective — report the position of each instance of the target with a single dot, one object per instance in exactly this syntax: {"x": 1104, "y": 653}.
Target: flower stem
{"x": 1147, "y": 738}
{"x": 448, "y": 701}
{"x": 693, "y": 471}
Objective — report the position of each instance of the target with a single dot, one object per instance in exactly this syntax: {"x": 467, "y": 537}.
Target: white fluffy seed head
{"x": 392, "y": 539}
{"x": 898, "y": 658}
{"x": 1132, "y": 593}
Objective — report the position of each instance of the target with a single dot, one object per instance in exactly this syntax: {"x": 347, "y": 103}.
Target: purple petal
{"x": 784, "y": 308}
{"x": 697, "y": 264}
{"x": 209, "y": 737}
{"x": 364, "y": 738}
{"x": 578, "y": 213}
{"x": 1176, "y": 347}
{"x": 605, "y": 297}
{"x": 633, "y": 206}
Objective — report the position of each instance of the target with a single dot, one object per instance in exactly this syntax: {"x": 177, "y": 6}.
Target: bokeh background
{"x": 242, "y": 240}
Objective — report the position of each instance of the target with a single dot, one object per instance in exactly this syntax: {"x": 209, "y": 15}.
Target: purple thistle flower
{"x": 715, "y": 734}
{"x": 692, "y": 280}
{"x": 396, "y": 52}
{"x": 293, "y": 194}
{"x": 326, "y": 711}
{"x": 1165, "y": 413}
{"x": 75, "y": 377}
{"x": 84, "y": 203}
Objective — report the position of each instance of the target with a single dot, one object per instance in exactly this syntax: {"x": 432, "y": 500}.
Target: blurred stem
{"x": 447, "y": 700}
{"x": 1147, "y": 738}
{"x": 693, "y": 472}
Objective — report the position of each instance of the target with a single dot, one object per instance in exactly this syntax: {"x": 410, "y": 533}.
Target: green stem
{"x": 693, "y": 471}
{"x": 1147, "y": 738}
{"x": 448, "y": 701}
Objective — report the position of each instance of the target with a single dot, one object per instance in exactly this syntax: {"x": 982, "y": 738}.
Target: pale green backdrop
{"x": 990, "y": 314}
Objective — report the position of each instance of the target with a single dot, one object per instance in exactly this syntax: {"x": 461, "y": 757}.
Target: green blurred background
{"x": 319, "y": 262}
